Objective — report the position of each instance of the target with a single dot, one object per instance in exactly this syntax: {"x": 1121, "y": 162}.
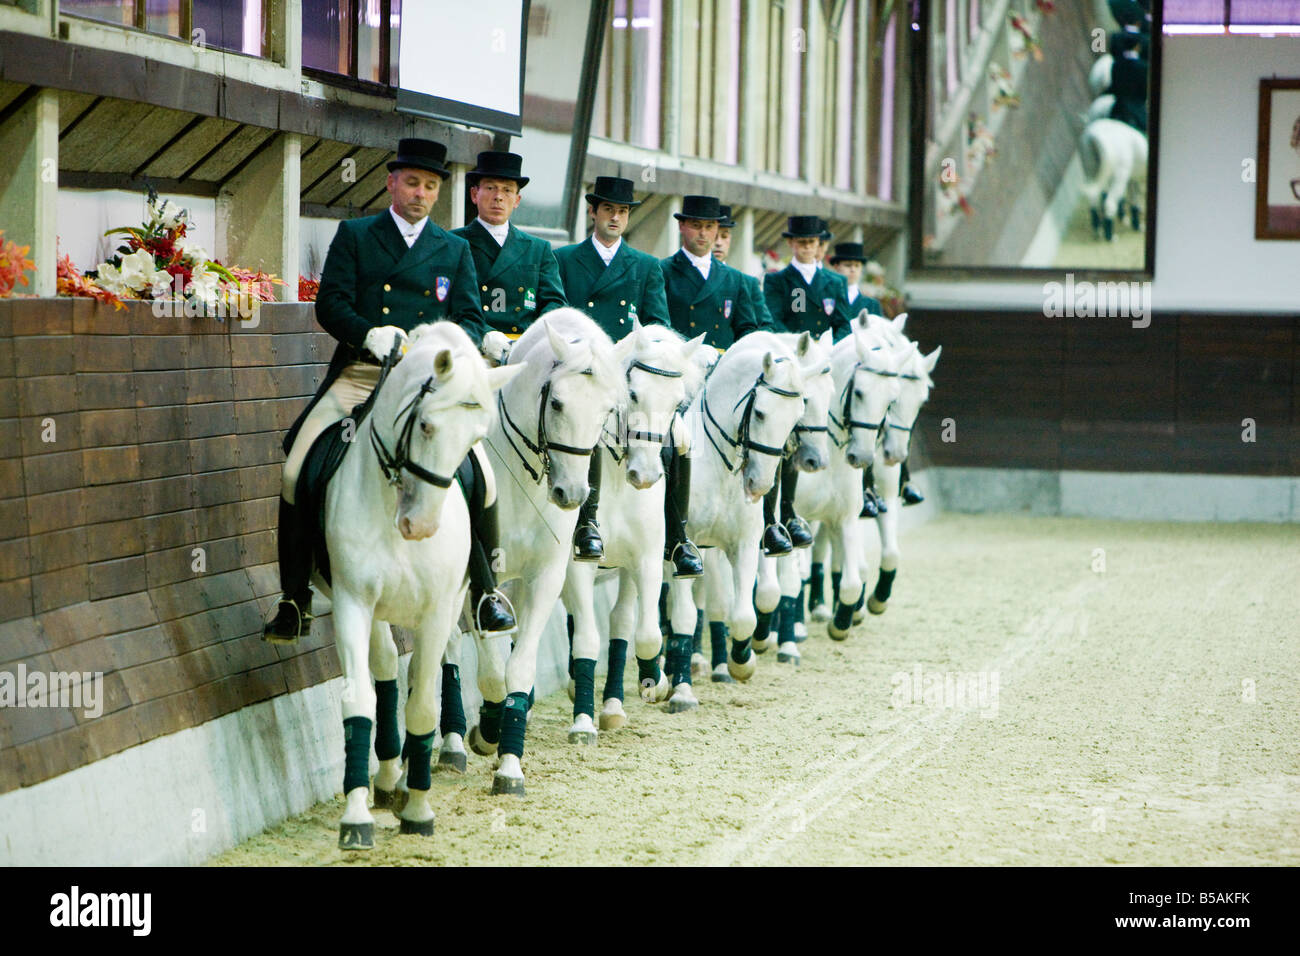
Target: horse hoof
{"x": 356, "y": 836}
{"x": 612, "y": 715}
{"x": 478, "y": 744}
{"x": 572, "y": 689}
{"x": 836, "y": 634}
{"x": 683, "y": 699}
{"x": 800, "y": 632}
{"x": 720, "y": 675}
{"x": 765, "y": 645}
{"x": 699, "y": 666}
{"x": 821, "y": 613}
{"x": 876, "y": 607}
{"x": 388, "y": 799}
{"x": 788, "y": 653}
{"x": 416, "y": 827}
{"x": 742, "y": 672}
{"x": 656, "y": 693}
{"x": 453, "y": 760}
{"x": 583, "y": 731}
{"x": 858, "y": 617}
{"x": 509, "y": 786}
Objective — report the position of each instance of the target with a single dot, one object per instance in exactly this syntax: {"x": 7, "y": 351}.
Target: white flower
{"x": 167, "y": 214}
{"x": 192, "y": 253}
{"x": 109, "y": 278}
{"x": 204, "y": 287}
{"x": 139, "y": 274}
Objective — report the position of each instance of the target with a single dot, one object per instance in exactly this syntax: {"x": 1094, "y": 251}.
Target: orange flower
{"x": 14, "y": 265}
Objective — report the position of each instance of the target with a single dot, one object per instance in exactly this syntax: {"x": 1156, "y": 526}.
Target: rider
{"x": 706, "y": 297}
{"x": 383, "y": 275}
{"x": 615, "y": 285}
{"x": 721, "y": 250}
{"x": 802, "y": 297}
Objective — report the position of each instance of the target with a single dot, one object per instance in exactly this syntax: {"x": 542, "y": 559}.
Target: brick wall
{"x": 167, "y": 439}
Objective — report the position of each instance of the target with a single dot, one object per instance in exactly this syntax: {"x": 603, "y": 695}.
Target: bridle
{"x": 847, "y": 423}
{"x": 742, "y": 440}
{"x": 619, "y": 451}
{"x": 542, "y": 447}
{"x": 392, "y": 464}
{"x": 813, "y": 428}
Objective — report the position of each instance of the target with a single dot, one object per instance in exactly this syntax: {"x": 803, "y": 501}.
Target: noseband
{"x": 619, "y": 452}
{"x": 542, "y": 447}
{"x": 742, "y": 440}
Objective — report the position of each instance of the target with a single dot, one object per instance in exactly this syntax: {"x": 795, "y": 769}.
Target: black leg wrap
{"x": 884, "y": 585}
{"x": 489, "y": 721}
{"x": 452, "y": 718}
{"x": 388, "y": 742}
{"x": 697, "y": 639}
{"x": 419, "y": 752}
{"x": 617, "y": 664}
{"x": 356, "y": 753}
{"x": 678, "y": 661}
{"x": 789, "y": 484}
{"x": 584, "y": 692}
{"x": 514, "y": 721}
{"x": 718, "y": 640}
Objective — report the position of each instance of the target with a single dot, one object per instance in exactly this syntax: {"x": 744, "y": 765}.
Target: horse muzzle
{"x": 566, "y": 499}
{"x": 415, "y": 530}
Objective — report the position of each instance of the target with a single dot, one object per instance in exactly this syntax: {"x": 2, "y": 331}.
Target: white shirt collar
{"x": 499, "y": 233}
{"x": 853, "y": 293}
{"x": 807, "y": 271}
{"x": 606, "y": 253}
{"x": 703, "y": 263}
{"x": 410, "y": 230}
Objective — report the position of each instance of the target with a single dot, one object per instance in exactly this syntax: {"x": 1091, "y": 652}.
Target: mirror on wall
{"x": 1035, "y": 146}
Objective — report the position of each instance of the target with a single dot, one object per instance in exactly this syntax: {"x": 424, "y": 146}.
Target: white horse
{"x": 865, "y": 369}
{"x": 1114, "y": 157}
{"x": 1099, "y": 75}
{"x": 780, "y": 579}
{"x": 398, "y": 546}
{"x": 551, "y": 419}
{"x": 660, "y": 370}
{"x": 914, "y": 384}
{"x": 739, "y": 424}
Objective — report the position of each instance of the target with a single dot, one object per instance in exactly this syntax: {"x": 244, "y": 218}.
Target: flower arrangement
{"x": 1031, "y": 45}
{"x": 982, "y": 147}
{"x": 307, "y": 288}
{"x": 1005, "y": 86}
{"x": 14, "y": 265}
{"x": 159, "y": 261}
{"x": 73, "y": 283}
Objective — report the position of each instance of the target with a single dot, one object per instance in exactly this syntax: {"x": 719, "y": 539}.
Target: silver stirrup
{"x": 473, "y": 620}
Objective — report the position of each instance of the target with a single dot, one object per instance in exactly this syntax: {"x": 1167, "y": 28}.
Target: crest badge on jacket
{"x": 442, "y": 287}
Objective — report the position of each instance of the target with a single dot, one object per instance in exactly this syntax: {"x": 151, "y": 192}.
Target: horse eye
{"x": 760, "y": 416}
{"x": 857, "y": 393}
{"x": 557, "y": 405}
{"x": 426, "y": 428}
{"x": 632, "y": 396}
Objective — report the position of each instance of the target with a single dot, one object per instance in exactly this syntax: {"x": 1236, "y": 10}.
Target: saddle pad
{"x": 322, "y": 462}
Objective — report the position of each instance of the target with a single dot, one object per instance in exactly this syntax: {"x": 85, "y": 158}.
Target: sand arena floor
{"x": 1144, "y": 714}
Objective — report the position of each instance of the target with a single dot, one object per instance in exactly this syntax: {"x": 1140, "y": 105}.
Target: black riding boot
{"x": 871, "y": 503}
{"x": 491, "y": 613}
{"x": 678, "y": 548}
{"x": 292, "y": 617}
{"x": 801, "y": 535}
{"x": 910, "y": 495}
{"x": 587, "y": 545}
{"x": 776, "y": 541}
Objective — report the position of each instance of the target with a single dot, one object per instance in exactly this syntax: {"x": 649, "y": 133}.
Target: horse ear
{"x": 563, "y": 351}
{"x": 864, "y": 319}
{"x": 768, "y": 362}
{"x": 499, "y": 376}
{"x": 862, "y": 343}
{"x": 442, "y": 364}
{"x": 899, "y": 321}
{"x": 827, "y": 339}
{"x": 932, "y": 359}
{"x": 805, "y": 343}
{"x": 625, "y": 346}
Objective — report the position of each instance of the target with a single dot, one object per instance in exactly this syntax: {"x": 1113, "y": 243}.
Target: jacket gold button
{"x": 521, "y": 288}
{"x": 485, "y": 308}
{"x": 692, "y": 325}
{"x": 385, "y": 310}
{"x": 622, "y": 321}
{"x": 426, "y": 291}
{"x": 485, "y": 288}
{"x": 516, "y": 308}
{"x": 514, "y": 329}
{"x": 591, "y": 305}
{"x": 419, "y": 315}
{"x": 387, "y": 287}
{"x": 692, "y": 308}
{"x": 622, "y": 302}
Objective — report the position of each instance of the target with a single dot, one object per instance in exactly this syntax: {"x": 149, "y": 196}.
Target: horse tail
{"x": 1092, "y": 158}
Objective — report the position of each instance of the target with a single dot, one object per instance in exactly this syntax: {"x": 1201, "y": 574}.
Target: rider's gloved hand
{"x": 380, "y": 340}
{"x": 495, "y": 348}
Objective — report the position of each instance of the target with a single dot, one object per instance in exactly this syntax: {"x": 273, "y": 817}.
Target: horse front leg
{"x": 388, "y": 738}
{"x": 717, "y": 608}
{"x": 741, "y": 617}
{"x": 422, "y": 713}
{"x": 352, "y": 623}
{"x": 584, "y": 647}
{"x": 637, "y": 610}
{"x": 887, "y": 522}
{"x": 791, "y": 584}
{"x": 684, "y": 616}
{"x": 622, "y": 623}
{"x": 821, "y": 557}
{"x": 451, "y": 722}
{"x": 537, "y": 598}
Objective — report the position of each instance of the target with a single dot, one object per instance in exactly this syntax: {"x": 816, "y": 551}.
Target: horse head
{"x": 559, "y": 409}
{"x": 435, "y": 404}
{"x": 864, "y": 369}
{"x": 811, "y": 448}
{"x": 914, "y": 388}
{"x": 661, "y": 373}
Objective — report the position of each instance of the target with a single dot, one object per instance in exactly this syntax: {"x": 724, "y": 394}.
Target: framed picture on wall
{"x": 1277, "y": 184}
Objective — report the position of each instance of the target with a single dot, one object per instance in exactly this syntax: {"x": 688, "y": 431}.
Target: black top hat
{"x": 826, "y": 235}
{"x": 421, "y": 154}
{"x": 612, "y": 189}
{"x": 804, "y": 227}
{"x": 493, "y": 164}
{"x": 848, "y": 252}
{"x": 726, "y": 222}
{"x": 699, "y": 207}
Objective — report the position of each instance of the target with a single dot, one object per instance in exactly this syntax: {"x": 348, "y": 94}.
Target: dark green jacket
{"x": 721, "y": 308}
{"x": 371, "y": 279}
{"x": 518, "y": 281}
{"x": 864, "y": 301}
{"x": 632, "y": 285}
{"x": 796, "y": 306}
{"x": 759, "y": 304}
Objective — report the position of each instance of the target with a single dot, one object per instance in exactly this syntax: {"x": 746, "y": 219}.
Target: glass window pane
{"x": 1266, "y": 12}
{"x": 792, "y": 92}
{"x": 114, "y": 11}
{"x": 163, "y": 16}
{"x": 1194, "y": 11}
{"x": 886, "y": 107}
{"x": 394, "y": 38}
{"x": 326, "y": 34}
{"x": 845, "y": 98}
{"x": 369, "y": 29}
{"x": 230, "y": 24}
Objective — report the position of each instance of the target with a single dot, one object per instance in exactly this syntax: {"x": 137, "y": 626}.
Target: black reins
{"x": 392, "y": 464}
{"x": 742, "y": 440}
{"x": 618, "y": 450}
{"x": 543, "y": 446}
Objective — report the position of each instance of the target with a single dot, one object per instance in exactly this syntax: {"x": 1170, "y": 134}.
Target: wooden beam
{"x": 77, "y": 179}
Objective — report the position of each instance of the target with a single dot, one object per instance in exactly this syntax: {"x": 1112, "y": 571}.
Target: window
{"x": 1232, "y": 16}
{"x": 236, "y": 25}
{"x": 349, "y": 38}
{"x": 631, "y": 77}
